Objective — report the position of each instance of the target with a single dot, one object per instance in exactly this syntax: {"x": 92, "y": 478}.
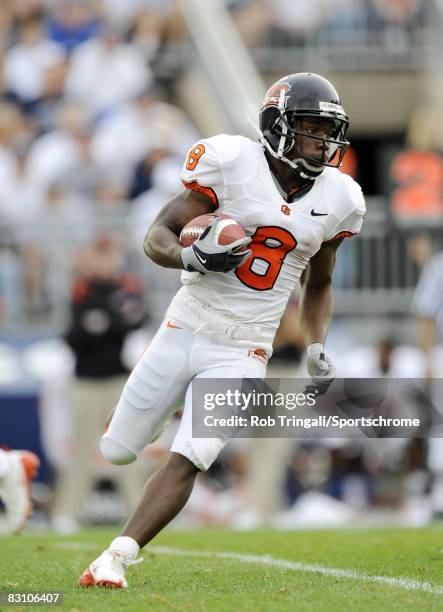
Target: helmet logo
{"x": 274, "y": 94}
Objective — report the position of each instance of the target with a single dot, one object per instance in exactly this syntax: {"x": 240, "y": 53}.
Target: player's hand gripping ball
{"x": 213, "y": 243}
{"x": 228, "y": 230}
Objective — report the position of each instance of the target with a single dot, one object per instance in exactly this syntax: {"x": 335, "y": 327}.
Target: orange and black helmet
{"x": 297, "y": 96}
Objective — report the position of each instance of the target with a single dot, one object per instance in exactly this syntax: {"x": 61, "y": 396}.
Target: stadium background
{"x": 99, "y": 104}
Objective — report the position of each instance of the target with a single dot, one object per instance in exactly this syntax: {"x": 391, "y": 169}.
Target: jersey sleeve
{"x": 202, "y": 170}
{"x": 350, "y": 211}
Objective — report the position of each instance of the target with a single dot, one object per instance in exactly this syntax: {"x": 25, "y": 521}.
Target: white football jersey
{"x": 234, "y": 173}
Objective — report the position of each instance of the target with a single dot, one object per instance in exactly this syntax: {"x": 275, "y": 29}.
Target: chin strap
{"x": 298, "y": 167}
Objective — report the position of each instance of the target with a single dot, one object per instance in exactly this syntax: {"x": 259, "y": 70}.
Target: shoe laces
{"x": 124, "y": 560}
{"x": 134, "y": 561}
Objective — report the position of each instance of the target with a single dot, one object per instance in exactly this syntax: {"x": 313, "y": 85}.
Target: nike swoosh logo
{"x": 201, "y": 260}
{"x": 172, "y": 325}
{"x": 314, "y": 214}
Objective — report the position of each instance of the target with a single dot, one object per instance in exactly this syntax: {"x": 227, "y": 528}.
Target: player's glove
{"x": 206, "y": 255}
{"x": 320, "y": 367}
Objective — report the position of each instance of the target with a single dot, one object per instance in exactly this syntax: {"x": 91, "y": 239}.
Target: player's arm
{"x": 162, "y": 243}
{"x": 316, "y": 299}
{"x": 316, "y": 305}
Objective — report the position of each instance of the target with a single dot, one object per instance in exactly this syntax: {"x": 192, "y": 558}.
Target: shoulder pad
{"x": 346, "y": 193}
{"x": 227, "y": 149}
{"x": 347, "y": 205}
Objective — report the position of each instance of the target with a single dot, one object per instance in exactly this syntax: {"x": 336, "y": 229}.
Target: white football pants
{"x": 189, "y": 344}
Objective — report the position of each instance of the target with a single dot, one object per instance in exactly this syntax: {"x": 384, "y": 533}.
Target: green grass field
{"x": 194, "y": 576}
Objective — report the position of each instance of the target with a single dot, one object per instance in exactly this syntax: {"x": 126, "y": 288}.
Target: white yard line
{"x": 407, "y": 584}
{"x": 69, "y": 545}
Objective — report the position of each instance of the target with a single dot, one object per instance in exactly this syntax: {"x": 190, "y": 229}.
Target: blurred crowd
{"x": 86, "y": 131}
{"x": 298, "y": 23}
{"x": 91, "y": 135}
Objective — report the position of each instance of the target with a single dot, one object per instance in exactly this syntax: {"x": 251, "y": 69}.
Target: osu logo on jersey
{"x": 273, "y": 94}
{"x": 285, "y": 209}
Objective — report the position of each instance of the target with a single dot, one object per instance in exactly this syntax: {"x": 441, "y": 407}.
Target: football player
{"x": 17, "y": 469}
{"x": 296, "y": 208}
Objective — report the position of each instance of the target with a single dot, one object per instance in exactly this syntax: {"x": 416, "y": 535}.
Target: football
{"x": 228, "y": 229}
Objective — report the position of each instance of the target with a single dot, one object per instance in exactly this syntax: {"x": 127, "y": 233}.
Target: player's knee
{"x": 200, "y": 452}
{"x": 115, "y": 452}
{"x": 182, "y": 466}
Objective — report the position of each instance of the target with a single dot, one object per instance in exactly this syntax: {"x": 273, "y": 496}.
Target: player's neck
{"x": 285, "y": 177}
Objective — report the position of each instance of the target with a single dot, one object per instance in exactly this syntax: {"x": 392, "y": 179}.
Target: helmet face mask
{"x": 336, "y": 140}
{"x": 290, "y": 101}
